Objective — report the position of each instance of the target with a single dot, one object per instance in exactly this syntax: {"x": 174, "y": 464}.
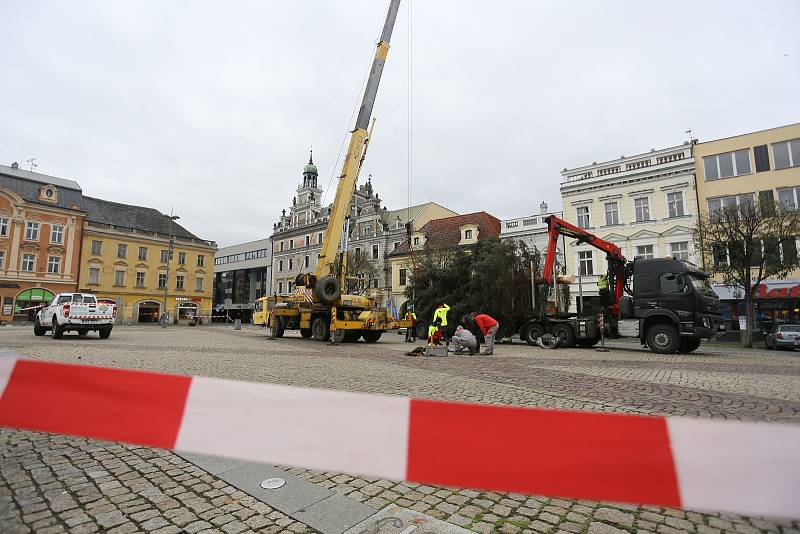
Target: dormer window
{"x": 467, "y": 234}
{"x": 48, "y": 193}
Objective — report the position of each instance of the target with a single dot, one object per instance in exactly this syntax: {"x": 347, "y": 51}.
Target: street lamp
{"x": 171, "y": 218}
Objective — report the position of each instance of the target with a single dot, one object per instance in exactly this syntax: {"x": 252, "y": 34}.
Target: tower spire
{"x": 311, "y": 155}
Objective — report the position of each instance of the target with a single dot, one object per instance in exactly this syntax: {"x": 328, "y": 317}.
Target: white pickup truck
{"x": 79, "y": 312}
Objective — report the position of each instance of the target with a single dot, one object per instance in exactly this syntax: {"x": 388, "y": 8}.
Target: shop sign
{"x": 742, "y": 323}
{"x": 791, "y": 292}
{"x": 181, "y": 299}
{"x": 197, "y": 299}
{"x": 7, "y": 309}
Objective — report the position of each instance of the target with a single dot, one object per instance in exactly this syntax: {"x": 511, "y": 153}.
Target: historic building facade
{"x": 761, "y": 167}
{"x": 646, "y": 204}
{"x": 41, "y": 220}
{"x": 374, "y": 231}
{"x": 126, "y": 258}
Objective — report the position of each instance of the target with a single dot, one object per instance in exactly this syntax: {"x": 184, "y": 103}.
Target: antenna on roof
{"x": 32, "y": 161}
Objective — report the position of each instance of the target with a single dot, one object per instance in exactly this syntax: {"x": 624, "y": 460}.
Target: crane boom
{"x": 355, "y": 152}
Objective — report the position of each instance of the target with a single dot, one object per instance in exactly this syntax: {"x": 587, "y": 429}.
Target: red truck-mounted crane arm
{"x": 557, "y": 227}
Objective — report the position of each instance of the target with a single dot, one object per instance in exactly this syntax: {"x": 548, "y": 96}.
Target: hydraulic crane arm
{"x": 355, "y": 153}
{"x": 557, "y": 227}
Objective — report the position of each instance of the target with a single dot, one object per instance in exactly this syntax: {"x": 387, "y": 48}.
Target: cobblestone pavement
{"x": 85, "y": 485}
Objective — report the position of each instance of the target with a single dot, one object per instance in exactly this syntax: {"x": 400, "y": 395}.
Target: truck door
{"x": 674, "y": 292}
{"x": 645, "y": 292}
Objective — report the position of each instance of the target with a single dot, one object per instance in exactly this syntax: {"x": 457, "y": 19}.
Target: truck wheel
{"x": 105, "y": 333}
{"x": 689, "y": 344}
{"x": 662, "y": 338}
{"x": 371, "y": 336}
{"x": 38, "y": 329}
{"x": 320, "y": 329}
{"x": 328, "y": 289}
{"x": 352, "y": 336}
{"x": 532, "y": 333}
{"x": 565, "y": 335}
{"x": 57, "y": 330}
{"x": 305, "y": 332}
{"x": 280, "y": 327}
{"x": 422, "y": 331}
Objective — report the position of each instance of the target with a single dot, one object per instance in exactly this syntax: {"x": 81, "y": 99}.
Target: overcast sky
{"x": 212, "y": 106}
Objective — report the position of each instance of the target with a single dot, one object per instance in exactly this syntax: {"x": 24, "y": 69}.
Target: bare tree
{"x": 360, "y": 271}
{"x": 747, "y": 243}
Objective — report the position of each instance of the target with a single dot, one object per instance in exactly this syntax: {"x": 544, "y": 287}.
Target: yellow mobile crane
{"x": 317, "y": 307}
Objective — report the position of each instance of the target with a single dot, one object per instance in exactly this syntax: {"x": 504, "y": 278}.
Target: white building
{"x": 531, "y": 230}
{"x": 646, "y": 204}
{"x": 243, "y": 273}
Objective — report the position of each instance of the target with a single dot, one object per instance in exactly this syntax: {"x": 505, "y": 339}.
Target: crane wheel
{"x": 306, "y": 332}
{"x": 328, "y": 289}
{"x": 320, "y": 329}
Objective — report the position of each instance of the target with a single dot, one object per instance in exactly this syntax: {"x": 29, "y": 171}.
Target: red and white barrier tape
{"x": 749, "y": 468}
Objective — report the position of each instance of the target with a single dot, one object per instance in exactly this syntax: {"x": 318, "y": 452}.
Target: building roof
{"x": 27, "y": 184}
{"x": 136, "y": 217}
{"x": 447, "y": 231}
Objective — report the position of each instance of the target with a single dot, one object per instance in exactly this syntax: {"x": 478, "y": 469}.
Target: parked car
{"x": 76, "y": 312}
{"x": 782, "y": 337}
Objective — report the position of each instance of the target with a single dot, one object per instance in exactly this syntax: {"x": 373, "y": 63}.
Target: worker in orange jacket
{"x": 489, "y": 329}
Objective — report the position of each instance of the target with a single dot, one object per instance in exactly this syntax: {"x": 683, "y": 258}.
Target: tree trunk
{"x": 750, "y": 311}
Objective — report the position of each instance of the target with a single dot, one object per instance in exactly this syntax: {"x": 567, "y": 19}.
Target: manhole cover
{"x": 273, "y": 483}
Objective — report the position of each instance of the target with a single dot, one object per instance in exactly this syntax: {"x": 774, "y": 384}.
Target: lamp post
{"x": 171, "y": 218}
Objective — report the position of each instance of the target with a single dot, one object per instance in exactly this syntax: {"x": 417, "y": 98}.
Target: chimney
{"x": 543, "y": 208}
{"x": 15, "y": 165}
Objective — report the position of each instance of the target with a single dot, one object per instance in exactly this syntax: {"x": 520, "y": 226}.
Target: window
{"x": 2, "y": 258}
{"x": 57, "y": 234}
{"x": 3, "y": 226}
{"x": 280, "y": 288}
{"x": 644, "y": 252}
{"x": 680, "y": 250}
{"x": 585, "y": 263}
{"x": 142, "y": 253}
{"x": 395, "y": 245}
{"x": 280, "y": 265}
{"x": 164, "y": 256}
{"x": 416, "y": 241}
{"x": 790, "y": 197}
{"x": 97, "y": 247}
{"x": 319, "y": 238}
{"x": 291, "y": 244}
{"x": 289, "y": 287}
{"x": 305, "y": 261}
{"x": 761, "y": 155}
{"x": 28, "y": 262}
{"x": 179, "y": 281}
{"x": 642, "y": 207}
{"x": 583, "y": 217}
{"x": 198, "y": 284}
{"x": 727, "y": 165}
{"x": 53, "y": 264}
{"x": 122, "y": 250}
{"x": 357, "y": 251}
{"x": 290, "y": 264}
{"x": 140, "y": 278}
{"x": 281, "y": 246}
{"x": 119, "y": 278}
{"x": 308, "y": 240}
{"x": 162, "y": 281}
{"x": 181, "y": 258}
{"x": 402, "y": 277}
{"x": 201, "y": 260}
{"x": 675, "y": 204}
{"x": 32, "y": 231}
{"x": 786, "y": 154}
{"x": 94, "y": 276}
{"x": 612, "y": 213}
{"x": 720, "y": 253}
{"x": 467, "y": 234}
{"x": 376, "y": 250}
{"x": 733, "y": 201}
{"x": 672, "y": 283}
{"x": 766, "y": 201}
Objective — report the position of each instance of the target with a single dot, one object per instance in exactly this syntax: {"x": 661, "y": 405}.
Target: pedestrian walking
{"x": 464, "y": 339}
{"x": 489, "y": 329}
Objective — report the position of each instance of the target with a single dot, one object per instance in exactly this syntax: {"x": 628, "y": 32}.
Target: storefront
{"x": 776, "y": 302}
{"x": 30, "y": 301}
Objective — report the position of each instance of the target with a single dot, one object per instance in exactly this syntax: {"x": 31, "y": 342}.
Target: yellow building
{"x": 763, "y": 167}
{"x": 125, "y": 257}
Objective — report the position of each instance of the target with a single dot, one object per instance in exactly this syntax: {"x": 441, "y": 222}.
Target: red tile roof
{"x": 447, "y": 231}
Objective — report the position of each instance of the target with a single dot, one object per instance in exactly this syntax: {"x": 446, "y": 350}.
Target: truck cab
{"x": 671, "y": 293}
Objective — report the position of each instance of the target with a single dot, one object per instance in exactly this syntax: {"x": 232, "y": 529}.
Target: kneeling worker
{"x": 463, "y": 339}
{"x": 435, "y": 333}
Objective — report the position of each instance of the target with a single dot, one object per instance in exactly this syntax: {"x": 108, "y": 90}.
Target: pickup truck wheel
{"x": 38, "y": 329}
{"x": 689, "y": 344}
{"x": 662, "y": 338}
{"x": 104, "y": 333}
{"x": 320, "y": 329}
{"x": 532, "y": 333}
{"x": 57, "y": 330}
{"x": 565, "y": 335}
